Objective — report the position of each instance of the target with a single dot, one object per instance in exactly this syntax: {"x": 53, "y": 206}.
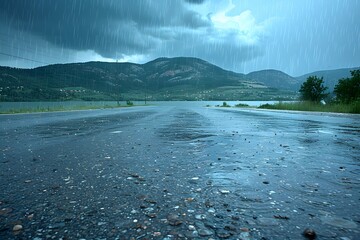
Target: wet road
{"x": 179, "y": 172}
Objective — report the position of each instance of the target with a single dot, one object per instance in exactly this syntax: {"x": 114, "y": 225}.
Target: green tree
{"x": 313, "y": 89}
{"x": 348, "y": 89}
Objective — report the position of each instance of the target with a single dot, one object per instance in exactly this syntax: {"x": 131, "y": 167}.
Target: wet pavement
{"x": 179, "y": 172}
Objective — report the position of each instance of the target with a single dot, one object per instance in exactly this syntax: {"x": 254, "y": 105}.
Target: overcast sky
{"x": 294, "y": 36}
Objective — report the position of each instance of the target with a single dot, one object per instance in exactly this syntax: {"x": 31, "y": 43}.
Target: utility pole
{"x": 145, "y": 91}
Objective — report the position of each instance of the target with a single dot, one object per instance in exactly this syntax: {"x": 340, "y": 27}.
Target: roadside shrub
{"x": 241, "y": 105}
{"x": 225, "y": 104}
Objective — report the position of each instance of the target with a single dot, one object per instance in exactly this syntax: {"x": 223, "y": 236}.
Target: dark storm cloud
{"x": 195, "y": 1}
{"x": 240, "y": 35}
{"x": 110, "y": 28}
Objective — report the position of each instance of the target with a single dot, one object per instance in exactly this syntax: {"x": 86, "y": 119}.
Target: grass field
{"x": 315, "y": 107}
{"x": 62, "y": 106}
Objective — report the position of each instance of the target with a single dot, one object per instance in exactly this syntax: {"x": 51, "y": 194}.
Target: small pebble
{"x": 174, "y": 220}
{"x": 223, "y": 191}
{"x": 200, "y": 216}
{"x": 17, "y": 228}
{"x": 211, "y": 210}
{"x": 309, "y": 233}
{"x": 205, "y": 232}
{"x": 191, "y": 228}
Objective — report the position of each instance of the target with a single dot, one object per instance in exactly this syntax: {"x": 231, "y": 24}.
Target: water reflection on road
{"x": 287, "y": 169}
{"x": 180, "y": 170}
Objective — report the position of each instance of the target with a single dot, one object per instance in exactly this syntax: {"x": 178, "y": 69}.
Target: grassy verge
{"x": 59, "y": 108}
{"x": 316, "y": 107}
{"x": 225, "y": 104}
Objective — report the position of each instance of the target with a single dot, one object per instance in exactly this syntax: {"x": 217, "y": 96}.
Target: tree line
{"x": 347, "y": 90}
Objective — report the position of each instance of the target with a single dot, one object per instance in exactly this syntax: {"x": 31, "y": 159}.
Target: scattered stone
{"x": 149, "y": 209}
{"x": 17, "y": 228}
{"x": 208, "y": 204}
{"x": 309, "y": 233}
{"x": 140, "y": 226}
{"x": 220, "y": 216}
{"x": 230, "y": 228}
{"x": 199, "y": 225}
{"x": 194, "y": 180}
{"x": 191, "y": 228}
{"x": 173, "y": 220}
{"x": 205, "y": 232}
{"x": 152, "y": 201}
{"x": 223, "y": 234}
{"x": 281, "y": 217}
{"x": 151, "y": 215}
{"x": 211, "y": 224}
{"x": 211, "y": 210}
{"x": 157, "y": 234}
{"x": 191, "y": 234}
{"x": 67, "y": 179}
{"x": 224, "y": 191}
{"x": 5, "y": 211}
{"x": 200, "y": 216}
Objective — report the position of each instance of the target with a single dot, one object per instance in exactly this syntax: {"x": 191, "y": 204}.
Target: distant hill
{"x": 162, "y": 79}
{"x": 331, "y": 77}
{"x": 180, "y": 78}
{"x": 275, "y": 79}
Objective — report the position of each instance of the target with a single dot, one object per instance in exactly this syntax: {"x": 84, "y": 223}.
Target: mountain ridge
{"x": 180, "y": 78}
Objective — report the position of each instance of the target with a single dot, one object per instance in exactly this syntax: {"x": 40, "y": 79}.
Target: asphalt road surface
{"x": 179, "y": 172}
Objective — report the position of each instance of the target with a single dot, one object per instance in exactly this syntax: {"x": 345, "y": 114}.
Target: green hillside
{"x": 162, "y": 79}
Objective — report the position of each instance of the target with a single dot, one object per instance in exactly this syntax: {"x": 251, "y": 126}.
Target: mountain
{"x": 275, "y": 79}
{"x": 165, "y": 72}
{"x": 180, "y": 78}
{"x": 331, "y": 77}
{"x": 162, "y": 79}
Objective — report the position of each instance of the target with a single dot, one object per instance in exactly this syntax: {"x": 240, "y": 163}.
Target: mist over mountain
{"x": 180, "y": 78}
